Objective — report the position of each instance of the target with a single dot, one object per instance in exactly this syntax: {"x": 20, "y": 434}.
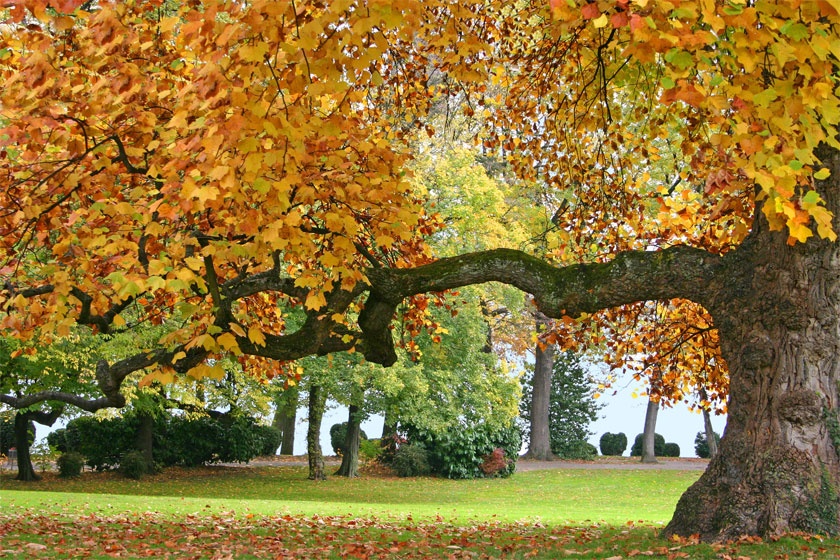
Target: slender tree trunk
{"x": 317, "y": 402}
{"x": 26, "y": 472}
{"x": 778, "y": 317}
{"x": 711, "y": 440}
{"x": 539, "y": 446}
{"x": 649, "y": 435}
{"x": 285, "y": 418}
{"x": 350, "y": 461}
{"x": 145, "y": 437}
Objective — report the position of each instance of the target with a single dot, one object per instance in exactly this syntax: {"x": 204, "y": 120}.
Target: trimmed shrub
{"x": 177, "y": 440}
{"x": 411, "y": 460}
{"x": 188, "y": 441}
{"x": 671, "y": 449}
{"x": 613, "y": 444}
{"x": 370, "y": 448}
{"x": 240, "y": 440}
{"x": 133, "y": 465}
{"x": 338, "y": 433}
{"x": 580, "y": 450}
{"x": 658, "y": 446}
{"x": 494, "y": 462}
{"x": 271, "y": 439}
{"x": 70, "y": 464}
{"x": 102, "y": 442}
{"x": 460, "y": 451}
{"x": 701, "y": 445}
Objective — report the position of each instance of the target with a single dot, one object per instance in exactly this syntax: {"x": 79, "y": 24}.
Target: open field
{"x": 274, "y": 512}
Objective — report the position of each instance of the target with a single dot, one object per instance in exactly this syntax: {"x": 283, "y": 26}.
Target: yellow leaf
{"x": 800, "y": 232}
{"x": 315, "y": 300}
{"x": 237, "y": 329}
{"x": 228, "y": 342}
{"x": 822, "y": 174}
{"x": 118, "y": 321}
{"x": 256, "y": 336}
{"x": 601, "y": 21}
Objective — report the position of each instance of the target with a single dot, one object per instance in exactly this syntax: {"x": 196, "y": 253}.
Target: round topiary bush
{"x": 658, "y": 446}
{"x": 70, "y": 464}
{"x": 613, "y": 444}
{"x": 671, "y": 449}
{"x": 411, "y": 460}
{"x": 338, "y": 433}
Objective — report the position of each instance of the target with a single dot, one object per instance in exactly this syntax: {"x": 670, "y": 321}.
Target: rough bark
{"x": 317, "y": 401}
{"x": 539, "y": 446}
{"x": 711, "y": 440}
{"x": 350, "y": 460}
{"x": 778, "y": 315}
{"x": 649, "y": 434}
{"x": 26, "y": 471}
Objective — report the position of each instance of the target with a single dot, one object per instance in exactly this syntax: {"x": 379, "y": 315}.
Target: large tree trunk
{"x": 649, "y": 434}
{"x": 317, "y": 401}
{"x": 350, "y": 461}
{"x": 539, "y": 446}
{"x": 778, "y": 315}
{"x": 24, "y": 460}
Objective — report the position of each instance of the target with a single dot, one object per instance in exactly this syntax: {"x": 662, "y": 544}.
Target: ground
{"x": 274, "y": 512}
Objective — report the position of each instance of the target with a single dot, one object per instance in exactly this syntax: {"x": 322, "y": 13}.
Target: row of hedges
{"x": 615, "y": 444}
{"x": 177, "y": 440}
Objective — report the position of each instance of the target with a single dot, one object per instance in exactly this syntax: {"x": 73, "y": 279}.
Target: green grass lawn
{"x": 275, "y": 513}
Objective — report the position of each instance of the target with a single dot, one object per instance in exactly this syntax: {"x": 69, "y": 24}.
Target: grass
{"x": 276, "y": 513}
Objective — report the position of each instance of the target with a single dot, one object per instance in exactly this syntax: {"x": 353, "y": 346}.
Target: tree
{"x": 571, "y": 406}
{"x": 220, "y": 164}
{"x": 540, "y": 394}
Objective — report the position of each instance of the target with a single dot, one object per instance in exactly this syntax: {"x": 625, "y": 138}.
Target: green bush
{"x": 460, "y": 451}
{"x": 613, "y": 444}
{"x": 188, "y": 441}
{"x": 658, "y": 446}
{"x": 580, "y": 450}
{"x": 178, "y": 440}
{"x": 271, "y": 439}
{"x": 240, "y": 440}
{"x": 102, "y": 442}
{"x": 70, "y": 464}
{"x": 338, "y": 433}
{"x": 411, "y": 460}
{"x": 671, "y": 450}
{"x": 370, "y": 448}
{"x": 134, "y": 465}
{"x": 701, "y": 444}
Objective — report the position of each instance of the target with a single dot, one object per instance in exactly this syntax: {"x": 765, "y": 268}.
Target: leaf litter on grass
{"x": 29, "y": 533}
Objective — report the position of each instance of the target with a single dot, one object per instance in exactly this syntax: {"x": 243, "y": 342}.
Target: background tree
{"x": 571, "y": 406}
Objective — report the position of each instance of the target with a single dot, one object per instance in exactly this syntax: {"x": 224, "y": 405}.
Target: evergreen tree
{"x": 571, "y": 406}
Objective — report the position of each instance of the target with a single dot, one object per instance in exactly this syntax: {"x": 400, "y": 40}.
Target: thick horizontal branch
{"x": 632, "y": 276}
{"x": 677, "y": 272}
